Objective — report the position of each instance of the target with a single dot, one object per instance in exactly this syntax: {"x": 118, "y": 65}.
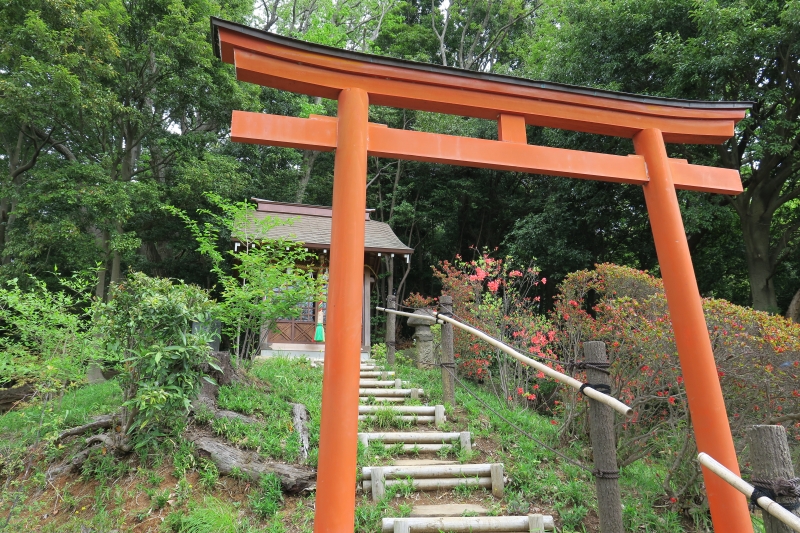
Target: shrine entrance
{"x": 357, "y": 80}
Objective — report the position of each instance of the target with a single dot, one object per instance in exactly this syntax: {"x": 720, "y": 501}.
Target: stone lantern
{"x": 424, "y": 338}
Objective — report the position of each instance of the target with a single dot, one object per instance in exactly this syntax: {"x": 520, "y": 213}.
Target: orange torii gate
{"x": 357, "y": 80}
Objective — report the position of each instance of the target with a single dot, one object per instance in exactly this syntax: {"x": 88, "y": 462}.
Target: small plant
{"x": 183, "y": 491}
{"x": 517, "y": 504}
{"x": 183, "y": 458}
{"x": 268, "y": 499}
{"x": 403, "y": 488}
{"x": 161, "y": 499}
{"x": 209, "y": 474}
{"x": 154, "y": 479}
{"x": 467, "y": 489}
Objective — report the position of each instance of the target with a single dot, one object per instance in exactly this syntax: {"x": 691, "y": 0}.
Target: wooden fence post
{"x": 771, "y": 461}
{"x": 391, "y": 326}
{"x": 448, "y": 359}
{"x": 604, "y": 449}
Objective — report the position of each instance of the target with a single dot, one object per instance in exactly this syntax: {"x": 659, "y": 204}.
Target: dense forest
{"x": 111, "y": 110}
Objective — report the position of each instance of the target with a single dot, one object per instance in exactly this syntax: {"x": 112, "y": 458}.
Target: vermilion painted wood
{"x": 703, "y": 392}
{"x": 679, "y": 124}
{"x": 357, "y": 83}
{"x": 319, "y": 133}
{"x": 338, "y": 434}
{"x": 230, "y": 40}
{"x": 511, "y": 128}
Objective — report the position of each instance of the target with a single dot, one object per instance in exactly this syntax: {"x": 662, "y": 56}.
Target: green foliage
{"x": 755, "y": 355}
{"x": 147, "y": 324}
{"x": 266, "y": 281}
{"x": 44, "y": 334}
{"x": 267, "y": 500}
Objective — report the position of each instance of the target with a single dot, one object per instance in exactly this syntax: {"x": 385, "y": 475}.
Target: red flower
{"x": 671, "y": 400}
{"x": 519, "y": 390}
{"x": 540, "y": 374}
{"x": 544, "y": 281}
{"x": 554, "y": 422}
{"x": 673, "y": 500}
{"x": 494, "y": 285}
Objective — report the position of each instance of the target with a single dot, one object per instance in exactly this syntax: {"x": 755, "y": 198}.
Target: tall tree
{"x": 732, "y": 50}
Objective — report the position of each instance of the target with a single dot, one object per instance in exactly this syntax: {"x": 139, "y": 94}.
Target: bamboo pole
{"x": 558, "y": 376}
{"x": 460, "y": 524}
{"x": 768, "y": 505}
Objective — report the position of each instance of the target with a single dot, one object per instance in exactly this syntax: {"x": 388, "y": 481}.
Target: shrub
{"x": 45, "y": 335}
{"x": 756, "y": 356}
{"x": 498, "y": 297}
{"x": 147, "y": 322}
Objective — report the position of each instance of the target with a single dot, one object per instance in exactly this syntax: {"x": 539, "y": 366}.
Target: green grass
{"x": 539, "y": 477}
{"x": 43, "y": 420}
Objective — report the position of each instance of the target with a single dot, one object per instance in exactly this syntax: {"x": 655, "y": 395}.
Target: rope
{"x": 510, "y": 423}
{"x": 775, "y": 488}
{"x": 599, "y": 387}
{"x": 606, "y": 474}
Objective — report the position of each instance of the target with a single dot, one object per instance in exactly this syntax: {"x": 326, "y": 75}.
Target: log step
{"x": 423, "y": 462}
{"x": 377, "y": 374}
{"x": 535, "y": 523}
{"x": 394, "y": 392}
{"x": 422, "y": 441}
{"x": 397, "y": 399}
{"x": 447, "y": 510}
{"x": 381, "y": 383}
{"x": 421, "y": 414}
{"x": 375, "y": 479}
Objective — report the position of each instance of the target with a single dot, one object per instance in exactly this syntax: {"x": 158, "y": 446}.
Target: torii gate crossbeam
{"x": 358, "y": 80}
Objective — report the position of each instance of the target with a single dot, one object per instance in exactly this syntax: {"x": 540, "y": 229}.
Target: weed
{"x": 154, "y": 479}
{"x": 183, "y": 491}
{"x": 467, "y": 489}
{"x": 103, "y": 466}
{"x": 572, "y": 517}
{"x": 161, "y": 499}
{"x": 208, "y": 473}
{"x": 517, "y": 504}
{"x": 213, "y": 516}
{"x": 268, "y": 499}
{"x": 183, "y": 458}
{"x": 402, "y": 487}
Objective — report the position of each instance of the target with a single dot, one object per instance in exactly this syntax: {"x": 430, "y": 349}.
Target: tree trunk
{"x": 793, "y": 313}
{"x": 759, "y": 265}
{"x": 227, "y": 458}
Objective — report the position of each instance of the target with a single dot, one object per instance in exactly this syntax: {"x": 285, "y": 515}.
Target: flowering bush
{"x": 756, "y": 356}
{"x": 497, "y": 296}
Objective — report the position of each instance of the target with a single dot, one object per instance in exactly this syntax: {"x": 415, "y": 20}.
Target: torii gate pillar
{"x": 703, "y": 390}
{"x": 339, "y": 426}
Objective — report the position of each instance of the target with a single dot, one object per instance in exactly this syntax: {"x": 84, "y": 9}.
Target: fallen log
{"x": 300, "y": 422}
{"x": 227, "y": 458}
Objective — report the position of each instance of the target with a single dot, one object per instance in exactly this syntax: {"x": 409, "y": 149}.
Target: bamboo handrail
{"x": 558, "y": 376}
{"x": 770, "y": 506}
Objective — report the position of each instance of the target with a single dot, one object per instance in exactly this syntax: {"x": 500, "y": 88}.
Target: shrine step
{"x": 534, "y": 523}
{"x": 397, "y": 383}
{"x": 421, "y": 414}
{"x": 376, "y": 479}
{"x": 421, "y": 441}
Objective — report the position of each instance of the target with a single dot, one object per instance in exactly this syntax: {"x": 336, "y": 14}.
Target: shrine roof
{"x": 311, "y": 225}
